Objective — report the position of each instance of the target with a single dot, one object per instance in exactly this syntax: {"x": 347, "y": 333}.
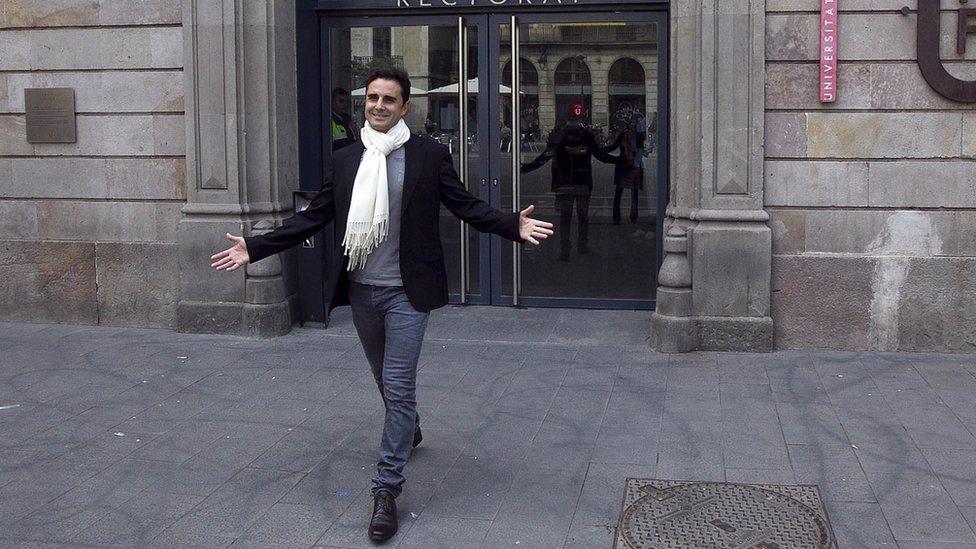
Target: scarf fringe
{"x": 362, "y": 238}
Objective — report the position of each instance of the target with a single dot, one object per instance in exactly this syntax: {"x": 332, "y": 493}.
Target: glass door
{"x": 580, "y": 111}
{"x": 563, "y": 111}
{"x": 435, "y": 52}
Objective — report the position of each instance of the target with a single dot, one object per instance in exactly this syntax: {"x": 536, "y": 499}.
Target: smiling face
{"x": 384, "y": 104}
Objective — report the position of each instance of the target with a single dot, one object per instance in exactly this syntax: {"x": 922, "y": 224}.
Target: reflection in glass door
{"x": 431, "y": 55}
{"x": 578, "y": 116}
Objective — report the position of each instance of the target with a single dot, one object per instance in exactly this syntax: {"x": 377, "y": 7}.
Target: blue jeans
{"x": 391, "y": 332}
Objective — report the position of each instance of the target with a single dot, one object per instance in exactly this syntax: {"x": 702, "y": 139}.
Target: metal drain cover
{"x": 659, "y": 514}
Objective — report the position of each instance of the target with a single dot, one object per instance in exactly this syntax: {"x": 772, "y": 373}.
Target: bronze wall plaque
{"x": 50, "y": 115}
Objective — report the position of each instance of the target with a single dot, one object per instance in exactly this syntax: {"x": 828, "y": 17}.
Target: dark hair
{"x": 337, "y": 91}
{"x": 399, "y": 76}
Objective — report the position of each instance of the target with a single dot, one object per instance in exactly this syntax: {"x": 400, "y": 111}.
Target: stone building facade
{"x": 88, "y": 230}
{"x": 872, "y": 199}
{"x": 790, "y": 223}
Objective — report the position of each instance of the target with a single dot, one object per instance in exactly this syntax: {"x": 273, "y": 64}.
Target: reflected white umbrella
{"x": 472, "y": 88}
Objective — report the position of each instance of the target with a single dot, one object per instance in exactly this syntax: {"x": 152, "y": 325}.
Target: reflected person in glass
{"x": 570, "y": 148}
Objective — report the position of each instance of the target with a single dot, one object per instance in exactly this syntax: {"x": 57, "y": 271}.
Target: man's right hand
{"x": 233, "y": 257}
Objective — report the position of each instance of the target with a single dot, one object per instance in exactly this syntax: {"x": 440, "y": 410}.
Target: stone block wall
{"x": 88, "y": 230}
{"x": 872, "y": 199}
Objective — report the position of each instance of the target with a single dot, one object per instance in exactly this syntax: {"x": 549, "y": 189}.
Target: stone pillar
{"x": 242, "y": 158}
{"x": 717, "y": 101}
{"x": 675, "y": 330}
{"x": 600, "y": 109}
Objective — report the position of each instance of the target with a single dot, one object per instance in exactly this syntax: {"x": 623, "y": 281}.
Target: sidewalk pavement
{"x": 533, "y": 420}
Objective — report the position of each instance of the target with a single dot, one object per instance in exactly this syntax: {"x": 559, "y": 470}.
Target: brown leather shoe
{"x": 383, "y": 525}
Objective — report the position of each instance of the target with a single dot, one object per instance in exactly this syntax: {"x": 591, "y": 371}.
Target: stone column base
{"x": 673, "y": 334}
{"x": 259, "y": 301}
{"x": 737, "y": 333}
{"x": 245, "y": 319}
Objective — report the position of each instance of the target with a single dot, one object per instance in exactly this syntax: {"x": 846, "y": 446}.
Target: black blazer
{"x": 429, "y": 180}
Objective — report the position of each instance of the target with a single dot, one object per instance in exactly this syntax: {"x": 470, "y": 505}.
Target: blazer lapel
{"x": 413, "y": 156}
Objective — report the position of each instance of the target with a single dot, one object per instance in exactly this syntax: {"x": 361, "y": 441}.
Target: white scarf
{"x": 369, "y": 208}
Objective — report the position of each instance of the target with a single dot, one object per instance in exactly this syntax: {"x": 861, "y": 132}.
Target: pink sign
{"x": 828, "y": 51}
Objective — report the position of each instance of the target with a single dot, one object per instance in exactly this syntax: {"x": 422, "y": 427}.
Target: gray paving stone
{"x": 631, "y": 441}
{"x": 590, "y": 537}
{"x": 67, "y": 515}
{"x": 138, "y": 520}
{"x": 526, "y": 435}
{"x": 304, "y": 446}
{"x": 445, "y": 533}
{"x": 957, "y": 471}
{"x": 905, "y": 544}
{"x": 602, "y": 328}
{"x": 339, "y": 476}
{"x": 528, "y": 516}
{"x": 180, "y": 444}
{"x": 237, "y": 504}
{"x": 168, "y": 539}
{"x": 835, "y": 469}
{"x": 886, "y": 448}
{"x": 811, "y": 423}
{"x": 473, "y": 488}
{"x": 800, "y": 385}
{"x": 743, "y": 369}
{"x": 960, "y": 402}
{"x": 532, "y": 353}
{"x": 601, "y": 352}
{"x": 918, "y": 508}
{"x": 30, "y": 494}
{"x": 289, "y": 525}
{"x": 654, "y": 375}
{"x": 860, "y": 525}
{"x": 760, "y": 476}
{"x": 747, "y": 402}
{"x": 518, "y": 401}
{"x": 862, "y": 406}
{"x": 602, "y": 494}
{"x": 695, "y": 461}
{"x": 970, "y": 514}
{"x": 197, "y": 476}
{"x": 938, "y": 428}
{"x": 755, "y": 446}
{"x": 692, "y": 403}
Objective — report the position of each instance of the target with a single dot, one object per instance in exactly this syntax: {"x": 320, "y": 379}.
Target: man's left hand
{"x": 533, "y": 230}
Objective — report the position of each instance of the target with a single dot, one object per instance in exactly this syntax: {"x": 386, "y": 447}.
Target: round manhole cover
{"x": 718, "y": 516}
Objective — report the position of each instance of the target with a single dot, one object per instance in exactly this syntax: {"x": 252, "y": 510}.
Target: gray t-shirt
{"x": 382, "y": 266}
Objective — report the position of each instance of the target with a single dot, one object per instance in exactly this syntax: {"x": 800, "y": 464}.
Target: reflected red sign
{"x": 828, "y": 51}
{"x": 577, "y": 109}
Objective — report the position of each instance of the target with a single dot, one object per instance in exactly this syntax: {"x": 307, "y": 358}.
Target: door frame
{"x": 314, "y": 79}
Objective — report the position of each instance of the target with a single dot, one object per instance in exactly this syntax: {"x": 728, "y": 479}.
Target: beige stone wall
{"x": 88, "y": 229}
{"x": 873, "y": 198}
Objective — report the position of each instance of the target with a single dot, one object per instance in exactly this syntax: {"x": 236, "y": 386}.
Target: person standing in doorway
{"x": 342, "y": 133}
{"x": 384, "y": 193}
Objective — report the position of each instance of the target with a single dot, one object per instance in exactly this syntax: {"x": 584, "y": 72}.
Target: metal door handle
{"x": 516, "y": 154}
{"x": 462, "y": 44}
